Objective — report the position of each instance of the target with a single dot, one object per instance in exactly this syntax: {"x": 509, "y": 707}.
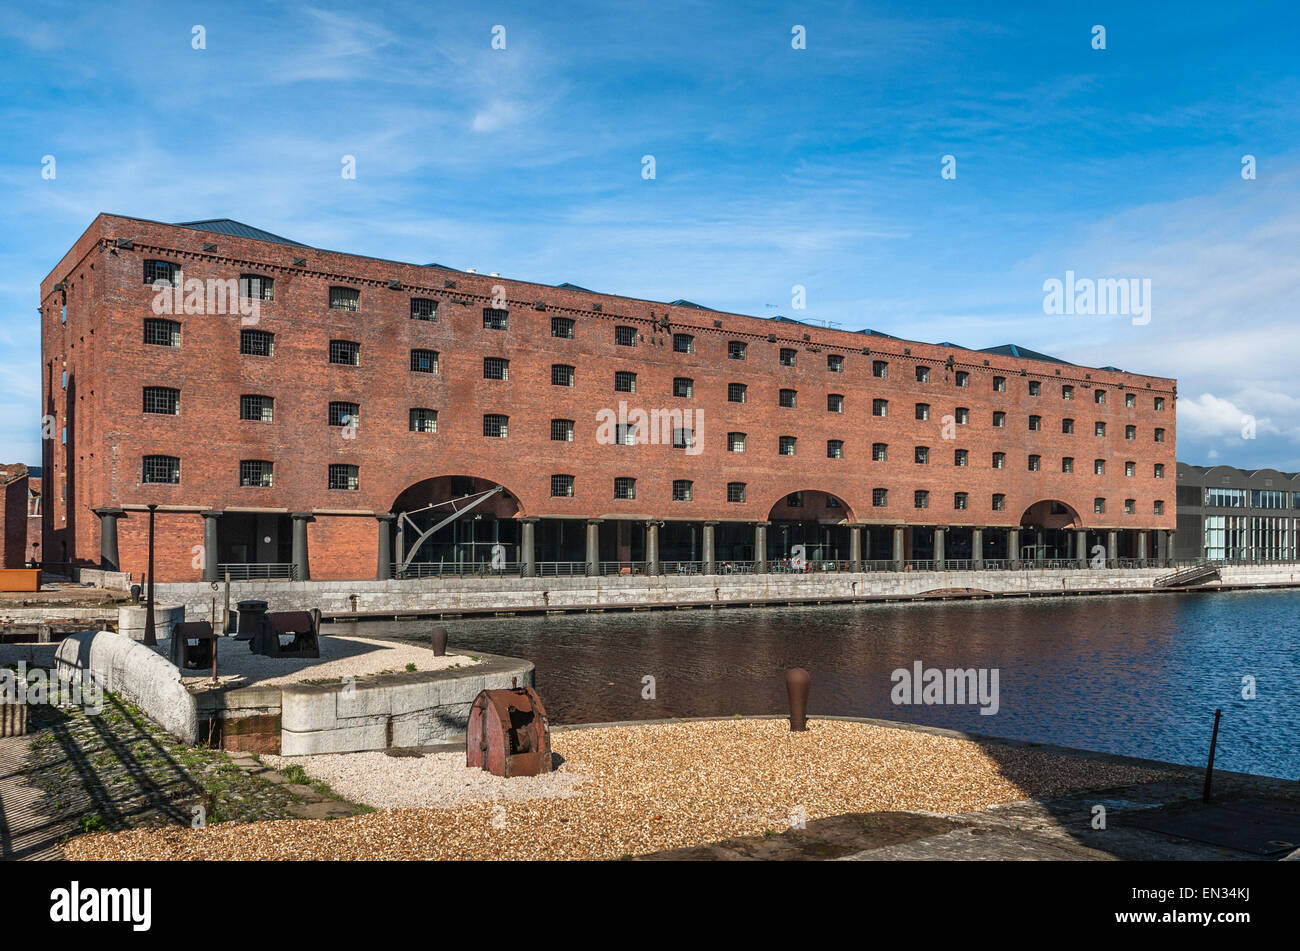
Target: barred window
{"x": 959, "y": 500}
{"x": 683, "y": 386}
{"x": 345, "y": 298}
{"x": 342, "y": 476}
{"x": 999, "y": 384}
{"x": 423, "y": 420}
{"x": 495, "y": 425}
{"x": 257, "y": 343}
{"x": 1035, "y": 423}
{"x": 495, "y": 318}
{"x": 1158, "y": 507}
{"x": 494, "y": 368}
{"x": 1130, "y": 469}
{"x": 1035, "y": 388}
{"x": 1035, "y": 463}
{"x": 785, "y": 445}
{"x": 999, "y": 502}
{"x": 346, "y": 352}
{"x": 960, "y": 457}
{"x": 835, "y": 362}
{"x": 1130, "y": 400}
{"x": 1099, "y": 428}
{"x": 562, "y": 327}
{"x": 735, "y": 442}
{"x": 999, "y": 419}
{"x": 962, "y": 415}
{"x": 1099, "y": 467}
{"x": 879, "y": 407}
{"x": 1099, "y": 397}
{"x": 1130, "y": 432}
{"x": 683, "y": 343}
{"x": 162, "y": 399}
{"x": 1067, "y": 425}
{"x": 161, "y": 469}
{"x": 624, "y": 434}
{"x": 922, "y": 410}
{"x": 1159, "y": 471}
{"x": 256, "y": 407}
{"x": 162, "y": 333}
{"x": 736, "y": 350}
{"x": 737, "y": 392}
{"x": 879, "y": 452}
{"x": 164, "y": 271}
{"x": 561, "y": 486}
{"x": 922, "y": 455}
{"x": 624, "y": 381}
{"x": 921, "y": 499}
{"x": 922, "y": 374}
{"x": 683, "y": 438}
{"x": 1099, "y": 506}
{"x": 426, "y": 361}
{"x": 683, "y": 490}
{"x": 787, "y": 398}
{"x": 422, "y": 308}
{"x": 256, "y": 287}
{"x": 961, "y": 378}
{"x": 1067, "y": 463}
{"x": 1160, "y": 404}
{"x": 342, "y": 413}
{"x": 562, "y": 430}
{"x": 625, "y": 336}
{"x": 624, "y": 487}
{"x": 735, "y": 491}
{"x": 835, "y": 402}
{"x": 561, "y": 375}
{"x": 835, "y": 449}
{"x": 879, "y": 498}
{"x": 999, "y": 460}
{"x": 1159, "y": 435}
{"x": 788, "y": 357}
{"x": 256, "y": 473}
{"x": 880, "y": 369}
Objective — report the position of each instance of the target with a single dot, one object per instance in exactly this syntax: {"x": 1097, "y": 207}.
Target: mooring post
{"x": 796, "y": 685}
{"x": 438, "y": 638}
{"x": 1209, "y": 769}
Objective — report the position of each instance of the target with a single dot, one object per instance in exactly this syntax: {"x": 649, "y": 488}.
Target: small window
{"x": 1159, "y": 470}
{"x": 1099, "y": 506}
{"x": 794, "y": 500}
{"x": 258, "y": 343}
{"x": 562, "y": 327}
{"x": 625, "y": 336}
{"x": 922, "y": 374}
{"x": 1035, "y": 463}
{"x": 561, "y": 486}
{"x": 879, "y": 407}
{"x": 960, "y": 457}
{"x": 787, "y": 357}
{"x": 835, "y": 402}
{"x": 1035, "y": 423}
{"x": 999, "y": 419}
{"x": 345, "y": 298}
{"x": 562, "y": 430}
{"x": 160, "y": 469}
{"x": 160, "y": 272}
{"x": 999, "y": 460}
{"x": 1067, "y": 463}
{"x": 999, "y": 502}
{"x": 879, "y": 498}
{"x": 256, "y": 473}
{"x": 624, "y": 434}
{"x": 495, "y": 425}
{"x": 880, "y": 369}
{"x": 787, "y": 398}
{"x": 735, "y": 491}
{"x": 1130, "y": 432}
{"x": 921, "y": 499}
{"x": 835, "y": 449}
{"x": 423, "y": 420}
{"x": 624, "y": 381}
{"x": 1130, "y": 506}
{"x": 999, "y": 384}
{"x": 496, "y": 318}
{"x": 494, "y": 368}
{"x": 737, "y": 392}
{"x": 1130, "y": 469}
{"x": 1159, "y": 435}
{"x": 345, "y": 352}
{"x": 1099, "y": 467}
{"x": 1099, "y": 397}
{"x": 879, "y": 452}
{"x": 785, "y": 445}
{"x": 922, "y": 455}
{"x": 683, "y": 343}
{"x": 426, "y": 361}
{"x": 1067, "y": 425}
{"x": 922, "y": 410}
{"x": 1099, "y": 428}
{"x": 959, "y": 500}
{"x": 342, "y": 413}
{"x": 835, "y": 362}
{"x": 1158, "y": 507}
{"x": 1160, "y": 404}
{"x": 1067, "y": 392}
{"x": 735, "y": 442}
{"x": 344, "y": 477}
{"x": 961, "y": 415}
{"x": 683, "y": 386}
{"x": 162, "y": 333}
{"x": 1130, "y": 400}
{"x": 256, "y": 287}
{"x": 562, "y": 375}
{"x": 683, "y": 438}
{"x": 736, "y": 350}
{"x": 683, "y": 490}
{"x": 162, "y": 400}
{"x": 422, "y": 308}
{"x": 1035, "y": 388}
{"x": 258, "y": 408}
{"x": 624, "y": 487}
{"x": 961, "y": 378}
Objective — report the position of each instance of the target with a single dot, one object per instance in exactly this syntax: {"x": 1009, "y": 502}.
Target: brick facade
{"x": 99, "y": 404}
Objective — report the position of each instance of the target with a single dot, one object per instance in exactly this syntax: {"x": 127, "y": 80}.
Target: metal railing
{"x": 441, "y": 569}
{"x": 258, "y": 571}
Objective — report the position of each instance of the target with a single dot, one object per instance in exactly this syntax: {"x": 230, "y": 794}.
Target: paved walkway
{"x": 25, "y": 832}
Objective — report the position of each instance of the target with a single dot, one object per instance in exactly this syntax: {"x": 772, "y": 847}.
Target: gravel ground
{"x": 434, "y": 781}
{"x": 339, "y": 657}
{"x": 664, "y": 786}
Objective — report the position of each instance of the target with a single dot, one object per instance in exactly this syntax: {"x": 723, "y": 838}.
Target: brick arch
{"x": 440, "y": 488}
{"x": 1038, "y": 515}
{"x": 778, "y": 509}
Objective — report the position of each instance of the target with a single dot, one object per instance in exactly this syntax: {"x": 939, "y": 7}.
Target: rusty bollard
{"x": 439, "y": 638}
{"x": 796, "y": 685}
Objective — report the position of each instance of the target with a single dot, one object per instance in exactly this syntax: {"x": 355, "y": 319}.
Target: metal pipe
{"x": 1209, "y": 769}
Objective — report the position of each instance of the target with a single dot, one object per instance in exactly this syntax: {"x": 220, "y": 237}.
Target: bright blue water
{"x": 1135, "y": 675}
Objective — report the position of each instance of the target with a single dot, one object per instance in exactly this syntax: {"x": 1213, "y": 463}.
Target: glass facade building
{"x": 1229, "y": 514}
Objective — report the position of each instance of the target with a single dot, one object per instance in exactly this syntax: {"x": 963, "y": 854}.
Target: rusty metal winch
{"x": 508, "y": 734}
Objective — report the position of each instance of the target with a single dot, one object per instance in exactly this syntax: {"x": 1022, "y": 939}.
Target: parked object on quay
{"x": 508, "y": 734}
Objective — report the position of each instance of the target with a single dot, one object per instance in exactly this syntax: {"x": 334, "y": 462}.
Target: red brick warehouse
{"x": 281, "y": 403}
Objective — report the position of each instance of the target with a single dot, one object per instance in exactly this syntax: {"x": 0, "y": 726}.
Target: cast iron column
{"x": 593, "y": 546}
{"x": 150, "y": 635}
{"x": 760, "y": 547}
{"x": 1013, "y": 546}
{"x": 939, "y": 553}
{"x": 709, "y": 555}
{"x": 108, "y": 556}
{"x": 211, "y": 540}
{"x": 977, "y": 548}
{"x": 899, "y": 550}
{"x": 384, "y": 563}
{"x": 1081, "y": 547}
{"x": 1112, "y": 548}
{"x": 301, "y": 560}
{"x": 855, "y": 547}
{"x": 528, "y": 547}
{"x": 652, "y": 547}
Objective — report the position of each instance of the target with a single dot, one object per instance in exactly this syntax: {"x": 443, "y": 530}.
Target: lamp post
{"x": 150, "y": 637}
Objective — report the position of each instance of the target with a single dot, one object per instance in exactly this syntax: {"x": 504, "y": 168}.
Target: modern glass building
{"x": 1229, "y": 514}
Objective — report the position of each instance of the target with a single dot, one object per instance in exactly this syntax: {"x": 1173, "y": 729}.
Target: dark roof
{"x": 686, "y": 303}
{"x": 441, "y": 267}
{"x": 877, "y": 333}
{"x": 237, "y": 229}
{"x": 575, "y": 287}
{"x": 1012, "y": 350}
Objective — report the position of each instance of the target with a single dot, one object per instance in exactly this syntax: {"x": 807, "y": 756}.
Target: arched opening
{"x": 1047, "y": 532}
{"x": 455, "y": 524}
{"x": 811, "y": 525}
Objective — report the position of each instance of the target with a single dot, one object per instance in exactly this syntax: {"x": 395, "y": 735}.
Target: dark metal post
{"x": 1209, "y": 769}
{"x": 438, "y": 639}
{"x": 150, "y": 636}
{"x": 797, "y": 682}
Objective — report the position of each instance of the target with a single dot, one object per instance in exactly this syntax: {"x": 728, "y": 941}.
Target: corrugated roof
{"x": 1012, "y": 350}
{"x": 575, "y": 287}
{"x": 686, "y": 303}
{"x": 237, "y": 229}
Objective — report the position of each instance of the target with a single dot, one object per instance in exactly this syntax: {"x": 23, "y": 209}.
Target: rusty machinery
{"x": 263, "y": 630}
{"x": 508, "y": 734}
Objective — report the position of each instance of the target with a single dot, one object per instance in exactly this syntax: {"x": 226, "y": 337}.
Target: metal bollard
{"x": 438, "y": 637}
{"x": 797, "y": 682}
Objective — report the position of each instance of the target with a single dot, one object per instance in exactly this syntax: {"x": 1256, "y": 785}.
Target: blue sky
{"x": 774, "y": 167}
